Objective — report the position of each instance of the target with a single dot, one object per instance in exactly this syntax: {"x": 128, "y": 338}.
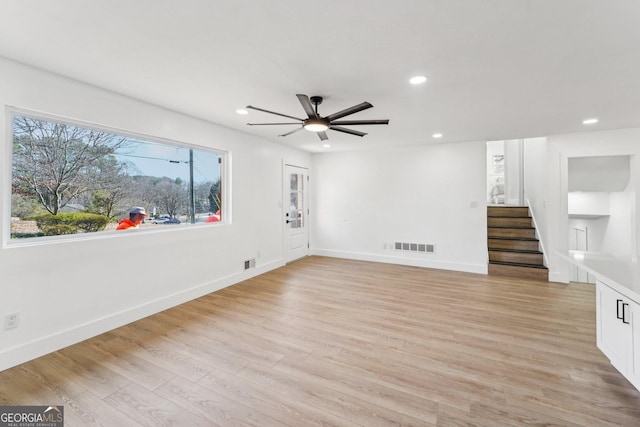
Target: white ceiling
{"x": 497, "y": 69}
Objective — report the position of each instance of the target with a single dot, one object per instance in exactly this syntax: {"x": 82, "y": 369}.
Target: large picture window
{"x": 74, "y": 179}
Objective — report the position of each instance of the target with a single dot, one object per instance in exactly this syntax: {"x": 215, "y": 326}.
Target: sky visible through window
{"x": 155, "y": 159}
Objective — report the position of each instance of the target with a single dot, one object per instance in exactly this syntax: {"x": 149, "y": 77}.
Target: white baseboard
{"x": 558, "y": 277}
{"x": 413, "y": 262}
{"x": 30, "y": 350}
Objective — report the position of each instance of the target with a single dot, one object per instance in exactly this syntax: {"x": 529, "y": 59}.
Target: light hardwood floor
{"x": 326, "y": 341}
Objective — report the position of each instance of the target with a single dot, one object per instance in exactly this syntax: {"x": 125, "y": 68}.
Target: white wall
{"x": 421, "y": 194}
{"x": 559, "y": 149}
{"x": 617, "y": 239}
{"x": 69, "y": 291}
{"x": 588, "y": 203}
{"x": 535, "y": 183}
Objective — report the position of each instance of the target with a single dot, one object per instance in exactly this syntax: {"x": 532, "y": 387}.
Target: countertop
{"x": 619, "y": 273}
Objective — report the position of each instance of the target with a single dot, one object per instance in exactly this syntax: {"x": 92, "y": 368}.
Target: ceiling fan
{"x": 317, "y": 123}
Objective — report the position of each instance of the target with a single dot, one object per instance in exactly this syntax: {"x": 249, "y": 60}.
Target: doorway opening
{"x": 505, "y": 172}
{"x": 601, "y": 206}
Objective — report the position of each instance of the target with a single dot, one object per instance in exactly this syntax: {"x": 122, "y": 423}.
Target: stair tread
{"x": 519, "y": 264}
{"x": 493, "y": 207}
{"x": 527, "y": 239}
{"x": 519, "y": 251}
{"x": 496, "y": 215}
{"x": 511, "y": 226}
{"x": 508, "y": 211}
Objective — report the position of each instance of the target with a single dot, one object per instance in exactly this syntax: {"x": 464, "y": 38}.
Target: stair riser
{"x": 526, "y": 233}
{"x": 519, "y": 272}
{"x": 508, "y": 222}
{"x": 518, "y": 245}
{"x": 516, "y": 257}
{"x": 502, "y": 211}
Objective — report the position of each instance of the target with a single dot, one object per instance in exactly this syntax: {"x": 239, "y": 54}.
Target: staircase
{"x": 512, "y": 243}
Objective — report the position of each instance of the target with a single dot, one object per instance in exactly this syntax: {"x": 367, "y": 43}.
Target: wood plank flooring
{"x": 330, "y": 342}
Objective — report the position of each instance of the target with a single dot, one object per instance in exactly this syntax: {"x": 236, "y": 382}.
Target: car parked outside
{"x": 165, "y": 219}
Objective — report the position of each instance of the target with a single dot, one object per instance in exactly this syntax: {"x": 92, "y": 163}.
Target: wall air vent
{"x": 426, "y": 248}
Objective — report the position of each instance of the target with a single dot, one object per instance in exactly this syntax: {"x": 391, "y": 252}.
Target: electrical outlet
{"x": 250, "y": 263}
{"x": 11, "y": 320}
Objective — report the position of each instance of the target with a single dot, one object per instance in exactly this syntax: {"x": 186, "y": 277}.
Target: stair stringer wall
{"x": 538, "y": 235}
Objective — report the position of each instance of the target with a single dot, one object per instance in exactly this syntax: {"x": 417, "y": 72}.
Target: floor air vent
{"x": 415, "y": 247}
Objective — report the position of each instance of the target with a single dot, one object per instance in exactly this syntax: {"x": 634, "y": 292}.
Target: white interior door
{"x": 578, "y": 242}
{"x": 296, "y": 210}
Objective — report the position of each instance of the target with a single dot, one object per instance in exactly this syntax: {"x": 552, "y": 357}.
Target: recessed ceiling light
{"x": 417, "y": 80}
{"x": 590, "y": 121}
{"x": 326, "y": 145}
{"x": 242, "y": 111}
{"x": 437, "y": 135}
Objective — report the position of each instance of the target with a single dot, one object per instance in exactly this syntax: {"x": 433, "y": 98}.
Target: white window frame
{"x": 7, "y": 162}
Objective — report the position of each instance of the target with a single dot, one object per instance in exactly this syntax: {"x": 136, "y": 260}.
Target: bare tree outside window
{"x": 59, "y": 163}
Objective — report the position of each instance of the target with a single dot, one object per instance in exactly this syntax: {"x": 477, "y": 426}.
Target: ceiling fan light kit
{"x": 316, "y": 123}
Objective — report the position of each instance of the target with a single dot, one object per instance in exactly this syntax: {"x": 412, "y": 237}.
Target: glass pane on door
{"x": 296, "y": 210}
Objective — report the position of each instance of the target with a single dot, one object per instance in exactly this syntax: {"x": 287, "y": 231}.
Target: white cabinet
{"x": 618, "y": 331}
{"x": 614, "y": 330}
{"x": 634, "y": 374}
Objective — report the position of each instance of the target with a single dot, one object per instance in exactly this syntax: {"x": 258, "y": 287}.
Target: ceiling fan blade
{"x": 271, "y": 124}
{"x": 272, "y": 112}
{"x": 323, "y": 135}
{"x": 361, "y": 122}
{"x": 293, "y": 131}
{"x": 349, "y": 131}
{"x": 308, "y": 107}
{"x": 350, "y": 110}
